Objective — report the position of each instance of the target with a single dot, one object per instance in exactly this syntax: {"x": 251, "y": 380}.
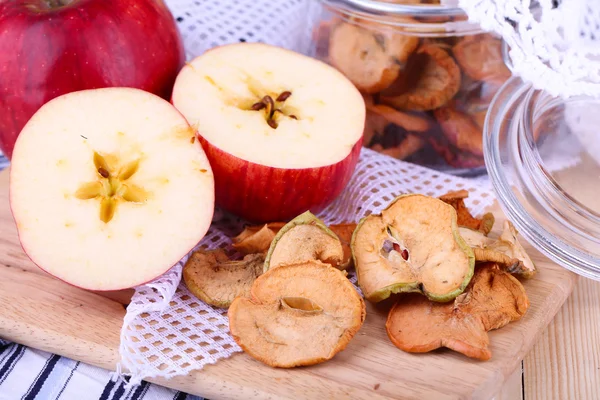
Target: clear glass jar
{"x": 427, "y": 74}
{"x": 543, "y": 159}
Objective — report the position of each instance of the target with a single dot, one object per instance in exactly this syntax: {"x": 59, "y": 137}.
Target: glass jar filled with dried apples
{"x": 427, "y": 75}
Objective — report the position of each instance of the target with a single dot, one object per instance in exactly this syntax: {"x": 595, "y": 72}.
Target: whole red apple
{"x": 52, "y": 47}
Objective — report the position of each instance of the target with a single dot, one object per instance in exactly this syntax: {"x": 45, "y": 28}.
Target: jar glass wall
{"x": 427, "y": 75}
{"x": 543, "y": 158}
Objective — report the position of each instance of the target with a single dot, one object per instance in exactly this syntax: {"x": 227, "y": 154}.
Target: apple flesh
{"x": 52, "y": 47}
{"x": 282, "y": 131}
{"x": 109, "y": 188}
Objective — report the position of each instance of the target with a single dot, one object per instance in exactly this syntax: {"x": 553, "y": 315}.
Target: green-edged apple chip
{"x": 506, "y": 250}
{"x": 302, "y": 239}
{"x": 412, "y": 246}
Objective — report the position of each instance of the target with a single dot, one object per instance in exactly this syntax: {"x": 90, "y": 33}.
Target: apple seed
{"x": 101, "y": 165}
{"x": 258, "y": 106}
{"x": 284, "y": 96}
{"x": 268, "y": 105}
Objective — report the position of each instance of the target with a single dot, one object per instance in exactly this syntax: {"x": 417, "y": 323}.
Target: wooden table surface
{"x": 565, "y": 363}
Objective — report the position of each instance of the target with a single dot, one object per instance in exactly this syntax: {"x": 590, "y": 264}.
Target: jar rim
{"x": 427, "y": 20}
{"x": 388, "y": 8}
{"x": 541, "y": 210}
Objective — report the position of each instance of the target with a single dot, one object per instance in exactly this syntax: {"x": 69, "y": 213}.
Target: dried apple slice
{"x": 480, "y": 57}
{"x": 302, "y": 239}
{"x": 506, "y": 250}
{"x": 215, "y": 279}
{"x": 410, "y": 122}
{"x": 431, "y": 79}
{"x": 256, "y": 239}
{"x": 300, "y": 314}
{"x": 460, "y": 130}
{"x": 375, "y": 125}
{"x": 412, "y": 246}
{"x": 371, "y": 60}
{"x": 493, "y": 299}
{"x": 457, "y": 200}
{"x": 406, "y": 148}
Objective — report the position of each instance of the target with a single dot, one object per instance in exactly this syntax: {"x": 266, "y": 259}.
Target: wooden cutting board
{"x": 41, "y": 312}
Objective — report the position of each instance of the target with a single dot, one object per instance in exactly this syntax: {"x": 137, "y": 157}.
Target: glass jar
{"x": 427, "y": 75}
{"x": 543, "y": 159}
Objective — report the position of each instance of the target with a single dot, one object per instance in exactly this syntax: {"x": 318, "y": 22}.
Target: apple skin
{"x": 47, "y": 50}
{"x": 260, "y": 194}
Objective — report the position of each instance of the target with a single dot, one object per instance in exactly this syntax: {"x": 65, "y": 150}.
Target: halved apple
{"x": 109, "y": 188}
{"x": 282, "y": 130}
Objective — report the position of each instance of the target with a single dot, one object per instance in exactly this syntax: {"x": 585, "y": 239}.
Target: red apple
{"x": 109, "y": 188}
{"x": 53, "y": 47}
{"x": 282, "y": 130}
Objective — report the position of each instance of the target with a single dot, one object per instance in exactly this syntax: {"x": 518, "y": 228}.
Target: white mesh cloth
{"x": 554, "y": 44}
{"x": 169, "y": 332}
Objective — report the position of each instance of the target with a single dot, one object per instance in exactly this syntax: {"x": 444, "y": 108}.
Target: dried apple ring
{"x": 215, "y": 279}
{"x": 506, "y": 250}
{"x": 493, "y": 299}
{"x": 302, "y": 239}
{"x": 412, "y": 246}
{"x": 411, "y": 123}
{"x": 300, "y": 314}
{"x": 409, "y": 146}
{"x": 480, "y": 58}
{"x": 431, "y": 79}
{"x": 460, "y": 130}
{"x": 372, "y": 61}
{"x": 256, "y": 239}
{"x": 375, "y": 125}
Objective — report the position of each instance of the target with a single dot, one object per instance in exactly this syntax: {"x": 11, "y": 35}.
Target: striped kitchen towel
{"x": 28, "y": 374}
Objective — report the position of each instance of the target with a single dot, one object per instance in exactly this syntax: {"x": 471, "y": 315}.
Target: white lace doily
{"x": 168, "y": 332}
{"x": 554, "y": 44}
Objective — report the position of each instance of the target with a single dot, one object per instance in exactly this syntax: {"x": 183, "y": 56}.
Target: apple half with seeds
{"x": 282, "y": 131}
{"x": 109, "y": 188}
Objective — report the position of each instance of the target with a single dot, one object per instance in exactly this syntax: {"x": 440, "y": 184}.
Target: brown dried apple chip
{"x": 493, "y": 299}
{"x": 305, "y": 238}
{"x": 506, "y": 250}
{"x": 410, "y": 122}
{"x": 371, "y": 60}
{"x": 344, "y": 233}
{"x": 431, "y": 79}
{"x": 215, "y": 279}
{"x": 460, "y": 130}
{"x": 412, "y": 246}
{"x": 406, "y": 148}
{"x": 298, "y": 314}
{"x": 457, "y": 200}
{"x": 480, "y": 57}
{"x": 256, "y": 239}
{"x": 375, "y": 125}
